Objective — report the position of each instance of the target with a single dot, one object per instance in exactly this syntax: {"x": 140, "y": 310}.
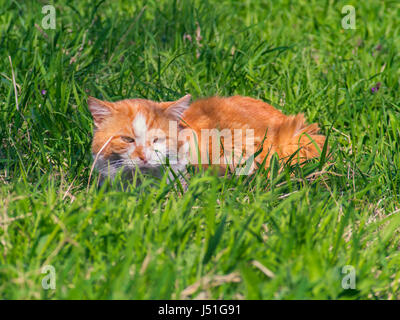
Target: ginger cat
{"x": 222, "y": 132}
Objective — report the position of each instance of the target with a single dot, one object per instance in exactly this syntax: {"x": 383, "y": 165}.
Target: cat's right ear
{"x": 100, "y": 110}
{"x": 175, "y": 109}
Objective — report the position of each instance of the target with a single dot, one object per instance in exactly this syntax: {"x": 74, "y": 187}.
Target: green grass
{"x": 153, "y": 242}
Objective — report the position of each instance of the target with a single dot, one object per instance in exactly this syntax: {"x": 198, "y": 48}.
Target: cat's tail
{"x": 295, "y": 135}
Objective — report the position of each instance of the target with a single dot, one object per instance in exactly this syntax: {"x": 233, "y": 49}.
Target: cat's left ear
{"x": 177, "y": 108}
{"x": 99, "y": 109}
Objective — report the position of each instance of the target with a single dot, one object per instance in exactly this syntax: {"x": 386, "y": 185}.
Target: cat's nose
{"x": 143, "y": 158}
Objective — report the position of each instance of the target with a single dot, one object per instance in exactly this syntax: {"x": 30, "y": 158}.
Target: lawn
{"x": 328, "y": 230}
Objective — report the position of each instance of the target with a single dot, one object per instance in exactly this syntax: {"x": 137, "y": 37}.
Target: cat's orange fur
{"x": 116, "y": 123}
{"x": 284, "y": 134}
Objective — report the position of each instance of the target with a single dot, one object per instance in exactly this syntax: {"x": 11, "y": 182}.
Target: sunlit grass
{"x": 284, "y": 233}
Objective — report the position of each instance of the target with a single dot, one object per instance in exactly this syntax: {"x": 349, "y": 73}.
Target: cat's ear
{"x": 100, "y": 110}
{"x": 175, "y": 109}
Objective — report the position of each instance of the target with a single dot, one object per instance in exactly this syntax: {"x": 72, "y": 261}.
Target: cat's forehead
{"x": 139, "y": 125}
{"x": 139, "y": 114}
{"x": 134, "y": 106}
{"x": 129, "y": 109}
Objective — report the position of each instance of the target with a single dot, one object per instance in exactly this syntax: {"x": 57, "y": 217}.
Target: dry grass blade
{"x": 263, "y": 269}
{"x": 210, "y": 281}
{"x": 14, "y": 84}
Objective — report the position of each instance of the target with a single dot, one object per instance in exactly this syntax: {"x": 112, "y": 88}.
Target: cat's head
{"x": 135, "y": 133}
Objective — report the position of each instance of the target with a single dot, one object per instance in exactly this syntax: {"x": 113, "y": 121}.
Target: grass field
{"x": 272, "y": 235}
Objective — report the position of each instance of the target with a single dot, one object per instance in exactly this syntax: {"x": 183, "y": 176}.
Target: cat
{"x": 224, "y": 132}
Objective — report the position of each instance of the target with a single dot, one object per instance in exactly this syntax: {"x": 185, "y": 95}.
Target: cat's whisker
{"x": 95, "y": 160}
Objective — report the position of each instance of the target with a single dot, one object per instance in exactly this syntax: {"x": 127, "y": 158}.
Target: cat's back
{"x": 231, "y": 112}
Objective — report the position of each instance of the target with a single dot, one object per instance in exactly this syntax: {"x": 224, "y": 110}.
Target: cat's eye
{"x": 158, "y": 139}
{"x": 127, "y": 139}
